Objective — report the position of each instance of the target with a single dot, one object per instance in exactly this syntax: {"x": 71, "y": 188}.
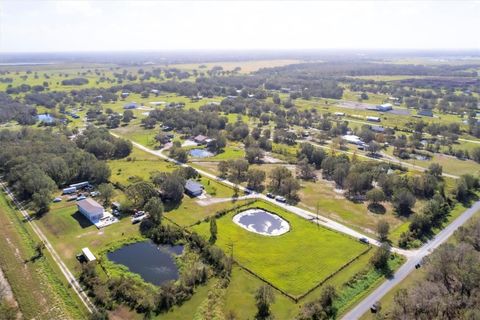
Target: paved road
{"x": 409, "y": 266}
{"x": 324, "y": 221}
{"x": 66, "y": 272}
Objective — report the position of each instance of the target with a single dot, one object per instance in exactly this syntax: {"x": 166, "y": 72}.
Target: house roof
{"x": 193, "y": 186}
{"x": 89, "y": 204}
{"x": 200, "y": 138}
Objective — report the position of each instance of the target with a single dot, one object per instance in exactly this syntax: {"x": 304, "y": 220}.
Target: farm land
{"x": 298, "y": 265}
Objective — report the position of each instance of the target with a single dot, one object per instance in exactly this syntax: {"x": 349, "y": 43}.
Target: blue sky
{"x": 42, "y": 26}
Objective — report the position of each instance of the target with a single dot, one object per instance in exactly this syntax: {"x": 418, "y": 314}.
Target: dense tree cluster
{"x": 11, "y": 109}
{"x": 451, "y": 286}
{"x": 36, "y": 162}
{"x": 102, "y": 144}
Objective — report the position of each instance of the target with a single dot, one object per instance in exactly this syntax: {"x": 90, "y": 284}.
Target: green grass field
{"x": 38, "y": 286}
{"x": 318, "y": 252}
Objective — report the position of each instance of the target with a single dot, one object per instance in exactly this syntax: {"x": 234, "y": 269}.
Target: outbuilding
{"x": 88, "y": 255}
{"x": 69, "y": 190}
{"x": 373, "y": 119}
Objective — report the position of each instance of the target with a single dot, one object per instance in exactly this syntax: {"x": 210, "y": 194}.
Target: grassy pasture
{"x": 319, "y": 252}
{"x": 38, "y": 286}
{"x": 246, "y": 66}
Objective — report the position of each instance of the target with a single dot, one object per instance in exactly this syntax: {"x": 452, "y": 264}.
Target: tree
{"x": 154, "y": 207}
{"x": 264, "y": 297}
{"x": 289, "y": 189}
{"x": 475, "y": 154}
{"x": 255, "y": 179}
{"x": 127, "y": 116}
{"x": 403, "y": 201}
{"x": 140, "y": 192}
{"x": 179, "y": 154}
{"x": 106, "y": 192}
{"x": 435, "y": 170}
{"x": 382, "y": 230}
{"x": 305, "y": 170}
{"x": 253, "y": 155}
{"x": 223, "y": 168}
{"x": 277, "y": 175}
{"x": 375, "y": 196}
{"x": 172, "y": 188}
{"x": 380, "y": 258}
{"x": 238, "y": 170}
{"x": 213, "y": 230}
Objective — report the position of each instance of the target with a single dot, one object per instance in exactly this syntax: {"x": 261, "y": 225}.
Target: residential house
{"x": 91, "y": 209}
{"x": 193, "y": 188}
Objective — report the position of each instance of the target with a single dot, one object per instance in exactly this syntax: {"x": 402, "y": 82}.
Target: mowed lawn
{"x": 294, "y": 262}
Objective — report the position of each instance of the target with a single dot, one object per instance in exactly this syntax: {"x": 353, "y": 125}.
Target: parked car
{"x": 82, "y": 197}
{"x": 94, "y": 193}
{"x": 270, "y": 195}
{"x": 280, "y": 199}
{"x": 58, "y": 199}
{"x": 364, "y": 240}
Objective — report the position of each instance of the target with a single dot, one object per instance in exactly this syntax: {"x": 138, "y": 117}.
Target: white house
{"x": 91, "y": 209}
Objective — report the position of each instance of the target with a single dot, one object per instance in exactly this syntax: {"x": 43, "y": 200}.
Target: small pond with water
{"x": 155, "y": 264}
{"x": 200, "y": 153}
{"x": 261, "y": 222}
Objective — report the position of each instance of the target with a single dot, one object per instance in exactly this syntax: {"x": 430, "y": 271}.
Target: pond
{"x": 155, "y": 264}
{"x": 262, "y": 222}
{"x": 45, "y": 118}
{"x": 200, "y": 153}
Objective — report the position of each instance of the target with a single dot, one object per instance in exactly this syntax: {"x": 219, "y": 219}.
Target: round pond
{"x": 200, "y": 153}
{"x": 261, "y": 222}
{"x": 155, "y": 264}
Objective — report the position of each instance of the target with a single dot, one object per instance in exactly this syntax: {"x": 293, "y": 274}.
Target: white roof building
{"x": 350, "y": 138}
{"x": 91, "y": 209}
{"x": 88, "y": 254}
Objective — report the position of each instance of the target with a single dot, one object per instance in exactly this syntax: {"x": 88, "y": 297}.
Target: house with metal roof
{"x": 130, "y": 105}
{"x": 193, "y": 188}
{"x": 91, "y": 209}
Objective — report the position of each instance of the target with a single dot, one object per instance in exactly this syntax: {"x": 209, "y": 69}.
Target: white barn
{"x": 91, "y": 209}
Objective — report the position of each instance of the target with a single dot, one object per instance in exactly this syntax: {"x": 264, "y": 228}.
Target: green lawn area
{"x": 141, "y": 164}
{"x": 318, "y": 252}
{"x": 335, "y": 206}
{"x": 69, "y": 232}
{"x": 449, "y": 164}
{"x": 39, "y": 287}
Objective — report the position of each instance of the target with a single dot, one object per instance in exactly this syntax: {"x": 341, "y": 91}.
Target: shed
{"x": 385, "y": 107}
{"x": 425, "y": 113}
{"x": 379, "y": 129}
{"x": 69, "y": 190}
{"x": 88, "y": 254}
{"x": 193, "y": 188}
{"x": 373, "y": 119}
{"x": 80, "y": 185}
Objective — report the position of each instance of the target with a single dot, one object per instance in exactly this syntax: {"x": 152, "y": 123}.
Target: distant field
{"x": 246, "y": 66}
{"x": 294, "y": 262}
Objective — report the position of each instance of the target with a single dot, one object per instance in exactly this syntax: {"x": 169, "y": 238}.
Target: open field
{"x": 40, "y": 290}
{"x": 245, "y": 66}
{"x": 270, "y": 257}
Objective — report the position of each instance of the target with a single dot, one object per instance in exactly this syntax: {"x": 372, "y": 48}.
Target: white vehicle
{"x": 280, "y": 199}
